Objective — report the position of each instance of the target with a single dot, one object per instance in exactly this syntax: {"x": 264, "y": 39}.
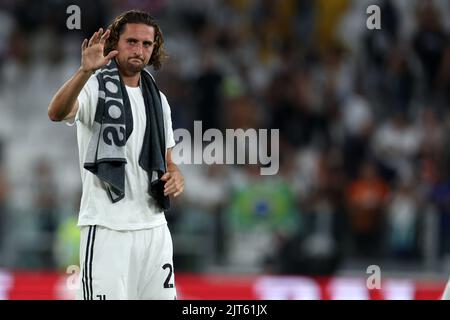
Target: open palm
{"x": 92, "y": 56}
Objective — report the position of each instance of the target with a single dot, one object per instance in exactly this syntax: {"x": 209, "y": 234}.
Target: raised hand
{"x": 92, "y": 56}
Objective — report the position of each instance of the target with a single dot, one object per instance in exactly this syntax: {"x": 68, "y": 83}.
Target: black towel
{"x": 113, "y": 124}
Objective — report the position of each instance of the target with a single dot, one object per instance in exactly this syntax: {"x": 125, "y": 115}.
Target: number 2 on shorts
{"x": 166, "y": 283}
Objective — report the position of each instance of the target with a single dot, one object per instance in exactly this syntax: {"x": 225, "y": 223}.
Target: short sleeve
{"x": 170, "y": 141}
{"x": 87, "y": 103}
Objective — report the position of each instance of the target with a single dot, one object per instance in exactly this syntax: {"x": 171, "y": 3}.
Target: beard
{"x": 133, "y": 65}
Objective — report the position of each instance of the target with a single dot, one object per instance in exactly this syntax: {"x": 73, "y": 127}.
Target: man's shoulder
{"x": 164, "y": 100}
{"x": 149, "y": 73}
{"x": 153, "y": 79}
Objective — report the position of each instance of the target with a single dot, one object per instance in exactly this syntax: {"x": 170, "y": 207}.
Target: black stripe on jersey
{"x": 90, "y": 262}
{"x": 85, "y": 267}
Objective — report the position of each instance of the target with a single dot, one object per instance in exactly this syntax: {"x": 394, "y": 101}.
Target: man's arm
{"x": 173, "y": 177}
{"x": 64, "y": 104}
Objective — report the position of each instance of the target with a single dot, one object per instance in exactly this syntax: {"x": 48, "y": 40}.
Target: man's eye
{"x": 131, "y": 41}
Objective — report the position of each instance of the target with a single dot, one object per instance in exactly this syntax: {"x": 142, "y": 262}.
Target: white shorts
{"x": 126, "y": 265}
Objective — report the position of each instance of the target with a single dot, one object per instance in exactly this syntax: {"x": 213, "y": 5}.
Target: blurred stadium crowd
{"x": 363, "y": 118}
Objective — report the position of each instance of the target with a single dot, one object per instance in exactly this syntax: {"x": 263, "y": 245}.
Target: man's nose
{"x": 138, "y": 49}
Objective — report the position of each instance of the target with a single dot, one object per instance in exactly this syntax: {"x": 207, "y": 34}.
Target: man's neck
{"x": 131, "y": 81}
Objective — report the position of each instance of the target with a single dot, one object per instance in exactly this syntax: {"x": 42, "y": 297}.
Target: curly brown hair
{"x": 136, "y": 16}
